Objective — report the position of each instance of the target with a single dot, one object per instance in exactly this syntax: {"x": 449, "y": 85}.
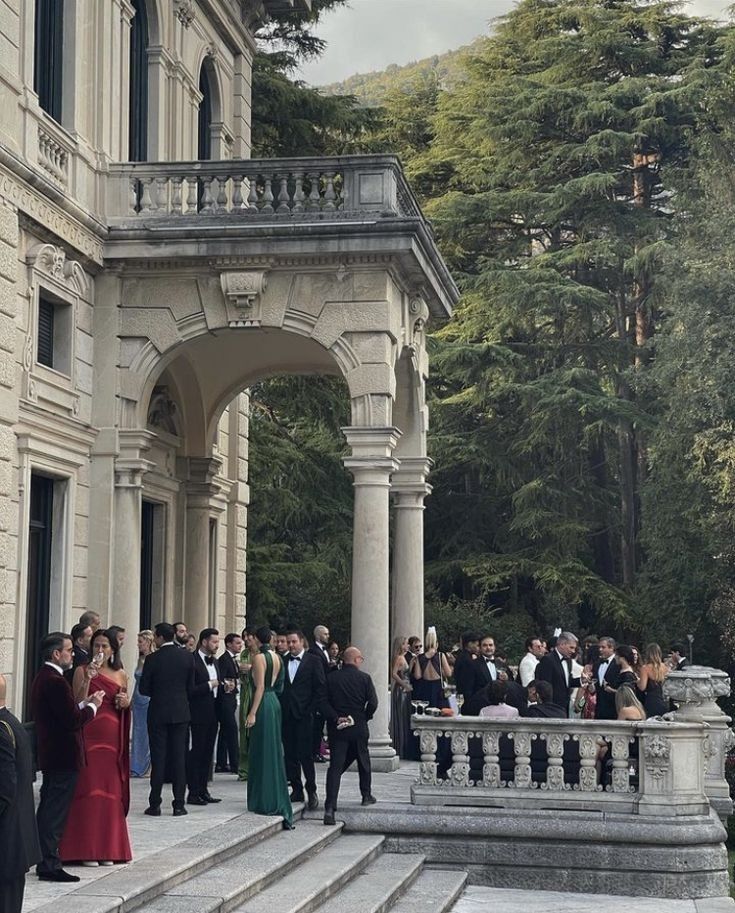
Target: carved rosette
{"x": 243, "y": 291}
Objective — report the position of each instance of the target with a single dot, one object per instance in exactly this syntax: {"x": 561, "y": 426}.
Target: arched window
{"x": 138, "y": 121}
{"x": 47, "y": 67}
{"x": 205, "y": 115}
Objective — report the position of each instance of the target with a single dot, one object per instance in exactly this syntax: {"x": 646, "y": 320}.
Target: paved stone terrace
{"x": 150, "y": 835}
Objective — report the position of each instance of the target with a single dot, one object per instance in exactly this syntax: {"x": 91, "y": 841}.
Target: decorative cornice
{"x": 51, "y": 261}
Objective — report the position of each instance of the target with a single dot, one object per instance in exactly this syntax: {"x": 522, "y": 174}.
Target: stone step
{"x": 127, "y": 888}
{"x": 318, "y": 878}
{"x": 225, "y": 886}
{"x": 377, "y": 888}
{"x": 434, "y": 891}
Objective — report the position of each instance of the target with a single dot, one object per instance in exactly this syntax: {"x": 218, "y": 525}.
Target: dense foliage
{"x": 581, "y": 179}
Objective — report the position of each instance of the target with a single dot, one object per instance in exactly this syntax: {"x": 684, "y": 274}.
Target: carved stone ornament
{"x": 211, "y": 51}
{"x": 695, "y": 689}
{"x": 243, "y": 292}
{"x": 163, "y": 412}
{"x": 184, "y": 12}
{"x": 51, "y": 261}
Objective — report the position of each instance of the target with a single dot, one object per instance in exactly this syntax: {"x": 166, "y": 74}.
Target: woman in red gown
{"x": 96, "y": 829}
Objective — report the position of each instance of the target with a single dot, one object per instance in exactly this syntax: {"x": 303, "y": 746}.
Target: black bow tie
{"x": 209, "y": 660}
{"x": 295, "y": 659}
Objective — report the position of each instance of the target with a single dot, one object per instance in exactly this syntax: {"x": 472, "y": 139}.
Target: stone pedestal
{"x": 371, "y": 466}
{"x": 695, "y": 690}
{"x": 409, "y": 489}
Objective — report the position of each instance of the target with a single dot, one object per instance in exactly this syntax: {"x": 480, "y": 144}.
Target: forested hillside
{"x": 579, "y": 169}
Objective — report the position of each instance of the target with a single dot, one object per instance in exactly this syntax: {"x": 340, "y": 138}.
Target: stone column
{"x": 200, "y": 488}
{"x": 130, "y": 467}
{"x": 409, "y": 490}
{"x": 371, "y": 465}
{"x": 695, "y": 690}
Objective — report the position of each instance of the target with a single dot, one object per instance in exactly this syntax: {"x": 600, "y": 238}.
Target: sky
{"x": 368, "y": 35}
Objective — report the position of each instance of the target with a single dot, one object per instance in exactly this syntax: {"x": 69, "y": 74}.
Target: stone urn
{"x": 695, "y": 690}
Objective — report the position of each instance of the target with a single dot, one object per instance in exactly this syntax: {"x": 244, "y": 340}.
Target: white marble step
{"x": 318, "y": 878}
{"x": 434, "y": 891}
{"x": 378, "y": 887}
{"x": 229, "y": 884}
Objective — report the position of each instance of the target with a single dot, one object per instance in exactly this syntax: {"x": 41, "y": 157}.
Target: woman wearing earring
{"x": 96, "y": 830}
{"x": 267, "y": 786}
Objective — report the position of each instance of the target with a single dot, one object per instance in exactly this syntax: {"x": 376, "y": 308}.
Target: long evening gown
{"x": 140, "y": 755}
{"x": 400, "y": 718}
{"x": 267, "y": 785}
{"x": 653, "y": 699}
{"x": 246, "y": 700}
{"x": 96, "y": 828}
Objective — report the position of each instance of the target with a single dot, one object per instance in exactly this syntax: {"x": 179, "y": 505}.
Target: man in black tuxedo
{"x": 167, "y": 679}
{"x": 350, "y": 704}
{"x": 303, "y": 692}
{"x": 81, "y": 635}
{"x": 679, "y": 657}
{"x": 605, "y": 672}
{"x": 556, "y": 669}
{"x": 59, "y": 719}
{"x": 18, "y": 834}
{"x": 320, "y": 649}
{"x": 203, "y": 699}
{"x": 487, "y": 667}
{"x": 544, "y": 708}
{"x": 414, "y": 648}
{"x": 228, "y": 746}
{"x": 465, "y": 673}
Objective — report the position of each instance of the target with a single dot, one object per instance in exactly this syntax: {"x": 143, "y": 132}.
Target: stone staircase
{"x": 250, "y": 865}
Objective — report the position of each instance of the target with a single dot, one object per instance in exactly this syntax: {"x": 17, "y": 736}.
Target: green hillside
{"x": 370, "y": 88}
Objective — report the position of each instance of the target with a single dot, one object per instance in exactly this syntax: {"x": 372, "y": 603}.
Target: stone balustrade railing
{"x": 53, "y": 157}
{"x": 346, "y": 187}
{"x": 653, "y": 767}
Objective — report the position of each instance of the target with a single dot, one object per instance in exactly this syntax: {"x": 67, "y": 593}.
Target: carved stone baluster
{"x": 329, "y": 193}
{"x": 267, "y": 196}
{"x": 145, "y": 199}
{"x": 620, "y": 773}
{"x": 253, "y": 194}
{"x": 459, "y": 774}
{"x": 284, "y": 200}
{"x": 207, "y": 199}
{"x": 491, "y": 767}
{"x": 237, "y": 193}
{"x": 555, "y": 752}
{"x": 588, "y": 767}
{"x": 176, "y": 183}
{"x": 191, "y": 194}
{"x": 133, "y": 196}
{"x": 161, "y": 193}
{"x": 522, "y": 776}
{"x": 298, "y": 193}
{"x": 315, "y": 200}
{"x": 427, "y": 747}
{"x": 221, "y": 193}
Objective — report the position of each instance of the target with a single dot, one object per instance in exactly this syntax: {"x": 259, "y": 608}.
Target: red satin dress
{"x": 96, "y": 828}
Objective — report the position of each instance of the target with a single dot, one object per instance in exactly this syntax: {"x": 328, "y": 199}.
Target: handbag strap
{"x": 10, "y": 732}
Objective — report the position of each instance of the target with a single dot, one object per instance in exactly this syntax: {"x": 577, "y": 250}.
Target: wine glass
{"x": 415, "y": 705}
{"x": 422, "y": 706}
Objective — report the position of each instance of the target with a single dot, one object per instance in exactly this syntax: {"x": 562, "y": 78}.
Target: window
{"x": 39, "y": 574}
{"x": 152, "y": 562}
{"x": 138, "y": 127}
{"x": 49, "y": 39}
{"x": 205, "y": 116}
{"x": 55, "y": 330}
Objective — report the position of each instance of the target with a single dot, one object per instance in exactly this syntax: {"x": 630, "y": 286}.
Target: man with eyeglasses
{"x": 351, "y": 702}
{"x": 414, "y": 648}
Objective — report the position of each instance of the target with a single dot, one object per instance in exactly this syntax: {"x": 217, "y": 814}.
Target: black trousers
{"x": 317, "y": 733}
{"x": 298, "y": 752}
{"x": 342, "y": 753}
{"x": 168, "y": 760}
{"x": 57, "y": 792}
{"x": 11, "y": 894}
{"x": 228, "y": 743}
{"x": 199, "y": 762}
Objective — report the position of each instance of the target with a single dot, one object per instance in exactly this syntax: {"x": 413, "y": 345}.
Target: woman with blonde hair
{"x": 651, "y": 681}
{"x": 140, "y": 755}
{"x": 400, "y": 699}
{"x": 429, "y": 671}
{"x": 627, "y": 705}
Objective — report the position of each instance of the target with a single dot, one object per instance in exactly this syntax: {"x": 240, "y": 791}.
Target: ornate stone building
{"x": 150, "y": 271}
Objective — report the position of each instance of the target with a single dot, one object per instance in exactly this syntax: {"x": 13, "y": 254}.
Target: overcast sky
{"x": 368, "y": 35}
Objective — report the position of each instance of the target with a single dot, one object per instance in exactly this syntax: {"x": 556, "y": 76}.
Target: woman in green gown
{"x": 246, "y": 699}
{"x": 267, "y": 785}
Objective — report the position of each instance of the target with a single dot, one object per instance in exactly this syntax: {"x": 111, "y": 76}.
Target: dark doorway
{"x": 147, "y": 544}
{"x": 39, "y": 575}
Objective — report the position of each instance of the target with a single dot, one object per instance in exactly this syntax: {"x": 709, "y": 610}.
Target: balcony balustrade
{"x": 652, "y": 767}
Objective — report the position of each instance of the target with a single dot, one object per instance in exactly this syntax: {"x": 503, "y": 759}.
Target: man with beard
{"x": 181, "y": 634}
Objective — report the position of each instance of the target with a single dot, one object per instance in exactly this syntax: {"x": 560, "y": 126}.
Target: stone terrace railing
{"x": 547, "y": 764}
{"x": 306, "y": 189}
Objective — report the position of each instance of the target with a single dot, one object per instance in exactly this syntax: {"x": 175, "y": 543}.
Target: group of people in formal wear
{"x": 556, "y": 678}
{"x": 264, "y": 702}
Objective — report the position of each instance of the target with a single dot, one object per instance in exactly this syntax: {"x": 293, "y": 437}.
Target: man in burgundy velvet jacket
{"x": 59, "y": 720}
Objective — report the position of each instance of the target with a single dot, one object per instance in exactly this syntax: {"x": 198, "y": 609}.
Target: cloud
{"x": 368, "y": 35}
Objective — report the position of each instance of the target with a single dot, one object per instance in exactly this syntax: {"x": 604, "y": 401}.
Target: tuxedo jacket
{"x": 550, "y": 670}
{"x": 349, "y": 692}
{"x": 227, "y": 701}
{"x": 18, "y": 834}
{"x": 605, "y": 706}
{"x": 58, "y": 721}
{"x": 305, "y": 695}
{"x": 202, "y": 701}
{"x": 545, "y": 711}
{"x": 167, "y": 679}
{"x": 314, "y": 650}
{"x": 482, "y": 673}
{"x": 465, "y": 674}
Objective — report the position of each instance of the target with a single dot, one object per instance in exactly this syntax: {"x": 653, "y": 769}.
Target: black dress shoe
{"x": 178, "y": 812}
{"x": 210, "y": 800}
{"x": 329, "y": 817}
{"x": 222, "y": 770}
{"x": 296, "y": 796}
{"x": 153, "y": 811}
{"x": 369, "y": 799}
{"x": 196, "y": 800}
{"x": 58, "y": 875}
{"x": 313, "y": 801}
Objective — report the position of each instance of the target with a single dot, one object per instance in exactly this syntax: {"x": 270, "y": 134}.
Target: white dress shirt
{"x": 564, "y": 665}
{"x": 527, "y": 669}
{"x": 602, "y": 669}
{"x": 212, "y": 671}
{"x": 491, "y": 668}
{"x": 294, "y": 664}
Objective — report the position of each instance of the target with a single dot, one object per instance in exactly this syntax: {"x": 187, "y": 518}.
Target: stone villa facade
{"x": 150, "y": 271}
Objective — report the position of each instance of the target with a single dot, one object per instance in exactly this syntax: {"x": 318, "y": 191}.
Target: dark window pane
{"x": 39, "y": 575}
{"x": 49, "y": 42}
{"x": 46, "y": 313}
{"x": 138, "y": 150}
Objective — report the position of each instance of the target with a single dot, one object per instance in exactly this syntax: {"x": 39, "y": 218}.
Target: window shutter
{"x": 45, "y": 332}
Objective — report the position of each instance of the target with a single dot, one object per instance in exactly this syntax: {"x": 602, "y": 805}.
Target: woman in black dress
{"x": 651, "y": 681}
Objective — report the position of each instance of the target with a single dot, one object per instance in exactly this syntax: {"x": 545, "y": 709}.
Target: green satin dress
{"x": 267, "y": 785}
{"x": 246, "y": 699}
